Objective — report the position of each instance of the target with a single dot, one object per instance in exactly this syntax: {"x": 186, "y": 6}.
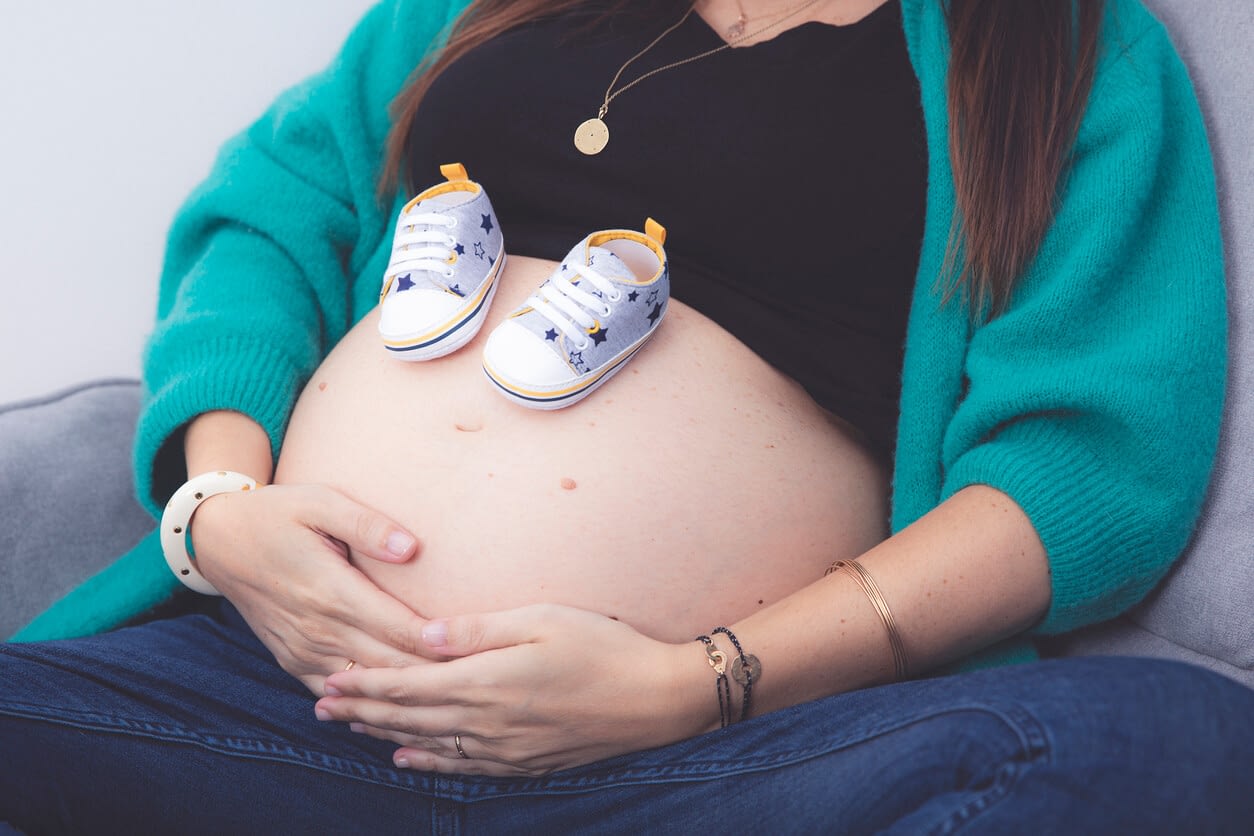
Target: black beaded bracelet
{"x": 745, "y": 669}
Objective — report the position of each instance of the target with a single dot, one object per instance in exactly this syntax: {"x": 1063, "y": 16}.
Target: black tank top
{"x": 790, "y": 175}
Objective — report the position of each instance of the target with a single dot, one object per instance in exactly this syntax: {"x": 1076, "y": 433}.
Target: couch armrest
{"x": 67, "y": 505}
{"x": 1201, "y": 613}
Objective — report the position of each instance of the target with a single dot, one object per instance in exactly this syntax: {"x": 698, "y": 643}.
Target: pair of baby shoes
{"x": 582, "y": 325}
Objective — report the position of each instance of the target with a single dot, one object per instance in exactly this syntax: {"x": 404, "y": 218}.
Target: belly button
{"x": 467, "y": 426}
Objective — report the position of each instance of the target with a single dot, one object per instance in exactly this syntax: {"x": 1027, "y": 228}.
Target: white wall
{"x": 109, "y": 114}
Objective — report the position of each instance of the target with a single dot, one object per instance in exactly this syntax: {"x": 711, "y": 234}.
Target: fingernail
{"x": 402, "y": 761}
{"x": 435, "y": 633}
{"x": 399, "y": 543}
{"x": 356, "y": 727}
{"x": 332, "y": 691}
{"x": 322, "y": 713}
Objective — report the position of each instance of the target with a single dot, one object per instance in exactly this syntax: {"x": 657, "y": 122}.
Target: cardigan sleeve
{"x": 1094, "y": 401}
{"x": 255, "y": 287}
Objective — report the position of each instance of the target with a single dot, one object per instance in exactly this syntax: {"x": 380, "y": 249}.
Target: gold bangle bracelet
{"x": 862, "y": 577}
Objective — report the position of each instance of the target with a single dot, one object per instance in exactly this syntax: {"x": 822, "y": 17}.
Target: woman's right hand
{"x": 280, "y": 554}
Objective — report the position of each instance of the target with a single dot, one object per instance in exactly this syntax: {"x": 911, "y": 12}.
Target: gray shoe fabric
{"x": 434, "y": 307}
{"x": 635, "y": 311}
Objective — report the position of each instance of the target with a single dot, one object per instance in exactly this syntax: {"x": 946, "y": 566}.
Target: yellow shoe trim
{"x": 454, "y": 171}
{"x": 655, "y": 230}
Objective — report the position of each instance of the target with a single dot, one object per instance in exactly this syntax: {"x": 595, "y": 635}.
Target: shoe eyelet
{"x": 617, "y": 297}
{"x": 450, "y": 240}
{"x": 585, "y": 345}
{"x": 606, "y": 311}
{"x": 448, "y": 274}
{"x": 452, "y": 222}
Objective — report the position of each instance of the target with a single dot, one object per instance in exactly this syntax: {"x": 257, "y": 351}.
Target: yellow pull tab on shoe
{"x": 655, "y": 230}
{"x": 454, "y": 171}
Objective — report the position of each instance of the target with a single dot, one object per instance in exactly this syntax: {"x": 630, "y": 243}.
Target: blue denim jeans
{"x": 186, "y": 725}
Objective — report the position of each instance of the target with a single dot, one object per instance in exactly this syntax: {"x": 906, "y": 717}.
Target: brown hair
{"x": 1019, "y": 77}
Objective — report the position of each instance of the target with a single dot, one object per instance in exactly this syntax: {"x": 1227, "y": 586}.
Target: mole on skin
{"x": 568, "y": 484}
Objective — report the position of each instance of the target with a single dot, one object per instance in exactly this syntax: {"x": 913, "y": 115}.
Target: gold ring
{"x": 457, "y": 741}
{"x": 352, "y": 663}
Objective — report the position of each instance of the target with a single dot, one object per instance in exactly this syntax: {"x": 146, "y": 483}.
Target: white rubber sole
{"x": 566, "y": 393}
{"x": 416, "y": 347}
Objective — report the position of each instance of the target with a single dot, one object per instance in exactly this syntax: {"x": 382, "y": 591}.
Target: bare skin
{"x": 654, "y": 500}
{"x": 721, "y": 14}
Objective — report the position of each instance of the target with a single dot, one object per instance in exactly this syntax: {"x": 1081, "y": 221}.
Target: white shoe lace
{"x": 573, "y": 310}
{"x": 420, "y": 246}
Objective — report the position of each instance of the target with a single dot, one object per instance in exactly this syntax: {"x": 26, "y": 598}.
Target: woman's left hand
{"x": 531, "y": 691}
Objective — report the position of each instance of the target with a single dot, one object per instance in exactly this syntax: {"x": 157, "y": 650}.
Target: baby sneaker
{"x": 446, "y": 256}
{"x": 585, "y": 322}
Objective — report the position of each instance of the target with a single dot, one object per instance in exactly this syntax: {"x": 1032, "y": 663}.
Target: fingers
{"x": 364, "y": 530}
{"x": 467, "y": 634}
{"x": 391, "y": 735}
{"x": 314, "y": 683}
{"x": 395, "y": 631}
{"x": 341, "y": 616}
{"x": 430, "y": 685}
{"x": 410, "y": 706}
{"x": 398, "y": 723}
{"x": 424, "y": 760}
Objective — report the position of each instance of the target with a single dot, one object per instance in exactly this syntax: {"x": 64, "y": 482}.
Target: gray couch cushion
{"x": 66, "y": 490}
{"x": 1204, "y": 611}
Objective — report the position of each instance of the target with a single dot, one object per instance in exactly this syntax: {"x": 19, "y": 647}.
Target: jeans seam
{"x": 1034, "y": 749}
{"x": 1032, "y": 739}
{"x": 247, "y": 748}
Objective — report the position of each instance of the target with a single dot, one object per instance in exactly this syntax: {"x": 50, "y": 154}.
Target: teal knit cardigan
{"x": 1094, "y": 401}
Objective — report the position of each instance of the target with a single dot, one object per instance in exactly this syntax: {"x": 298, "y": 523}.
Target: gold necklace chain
{"x": 593, "y": 135}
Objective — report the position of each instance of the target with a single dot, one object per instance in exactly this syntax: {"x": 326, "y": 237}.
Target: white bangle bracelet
{"x": 178, "y": 513}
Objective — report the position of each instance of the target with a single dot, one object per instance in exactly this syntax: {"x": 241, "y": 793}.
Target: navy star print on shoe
{"x": 585, "y": 322}
{"x": 434, "y": 300}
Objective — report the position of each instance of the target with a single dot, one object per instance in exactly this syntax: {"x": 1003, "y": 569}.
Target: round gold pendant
{"x": 592, "y": 136}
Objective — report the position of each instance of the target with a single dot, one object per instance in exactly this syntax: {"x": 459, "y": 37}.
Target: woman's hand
{"x": 535, "y": 689}
{"x": 280, "y": 555}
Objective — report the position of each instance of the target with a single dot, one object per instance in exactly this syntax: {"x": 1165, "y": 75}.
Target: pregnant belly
{"x": 696, "y": 486}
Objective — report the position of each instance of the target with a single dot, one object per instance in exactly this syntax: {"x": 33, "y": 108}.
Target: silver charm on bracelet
{"x": 738, "y": 669}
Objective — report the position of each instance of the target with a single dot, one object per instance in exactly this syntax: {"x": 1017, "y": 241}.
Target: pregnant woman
{"x": 942, "y": 372}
